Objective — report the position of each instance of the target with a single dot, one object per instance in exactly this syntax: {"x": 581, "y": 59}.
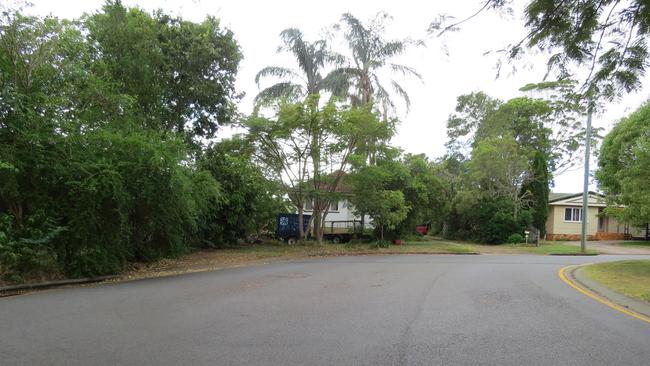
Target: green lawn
{"x": 631, "y": 278}
{"x": 551, "y": 248}
{"x": 544, "y": 248}
{"x": 432, "y": 247}
{"x": 638, "y": 243}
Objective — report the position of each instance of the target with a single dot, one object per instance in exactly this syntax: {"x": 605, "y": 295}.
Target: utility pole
{"x": 585, "y": 189}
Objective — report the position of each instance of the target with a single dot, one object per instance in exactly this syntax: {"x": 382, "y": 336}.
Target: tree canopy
{"x": 180, "y": 74}
{"x": 623, "y": 172}
{"x": 601, "y": 43}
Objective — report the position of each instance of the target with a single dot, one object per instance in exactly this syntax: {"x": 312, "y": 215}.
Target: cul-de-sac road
{"x": 375, "y": 310}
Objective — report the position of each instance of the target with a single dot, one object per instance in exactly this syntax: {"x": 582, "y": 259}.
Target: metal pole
{"x": 585, "y": 188}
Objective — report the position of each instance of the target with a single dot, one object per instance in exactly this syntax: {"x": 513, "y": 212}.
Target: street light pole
{"x": 585, "y": 188}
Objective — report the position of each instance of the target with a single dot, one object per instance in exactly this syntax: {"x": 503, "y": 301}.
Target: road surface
{"x": 373, "y": 310}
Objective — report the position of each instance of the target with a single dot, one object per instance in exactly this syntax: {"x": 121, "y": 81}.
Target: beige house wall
{"x": 605, "y": 228}
{"x": 559, "y": 226}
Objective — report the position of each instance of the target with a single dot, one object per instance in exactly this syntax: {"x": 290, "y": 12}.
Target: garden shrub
{"x": 28, "y": 252}
{"x": 515, "y": 239}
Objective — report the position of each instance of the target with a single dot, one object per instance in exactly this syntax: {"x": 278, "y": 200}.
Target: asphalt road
{"x": 392, "y": 310}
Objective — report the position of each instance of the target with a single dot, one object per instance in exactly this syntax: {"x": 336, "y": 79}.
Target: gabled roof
{"x": 553, "y": 196}
{"x": 575, "y": 199}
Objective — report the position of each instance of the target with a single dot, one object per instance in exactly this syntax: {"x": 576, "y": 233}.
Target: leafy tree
{"x": 414, "y": 176}
{"x": 372, "y": 52}
{"x": 180, "y": 74}
{"x": 547, "y": 126}
{"x": 538, "y": 189}
{"x": 606, "y": 38}
{"x": 425, "y": 192}
{"x": 250, "y": 201}
{"x": 471, "y": 110}
{"x": 371, "y": 196}
{"x": 312, "y": 57}
{"x": 85, "y": 185}
{"x": 500, "y": 170}
{"x": 624, "y": 163}
{"x": 309, "y": 149}
{"x": 387, "y": 210}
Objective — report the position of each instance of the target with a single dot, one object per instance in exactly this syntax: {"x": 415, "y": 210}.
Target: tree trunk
{"x": 301, "y": 229}
{"x": 316, "y": 218}
{"x": 515, "y": 205}
{"x": 322, "y": 225}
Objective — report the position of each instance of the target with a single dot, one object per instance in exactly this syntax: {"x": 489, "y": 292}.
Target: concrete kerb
{"x": 8, "y": 290}
{"x": 605, "y": 295}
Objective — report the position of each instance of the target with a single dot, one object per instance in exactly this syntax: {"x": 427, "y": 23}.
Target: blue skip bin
{"x": 287, "y": 226}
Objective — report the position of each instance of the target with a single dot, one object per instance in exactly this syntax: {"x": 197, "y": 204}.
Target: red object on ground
{"x": 398, "y": 242}
{"x": 422, "y": 229}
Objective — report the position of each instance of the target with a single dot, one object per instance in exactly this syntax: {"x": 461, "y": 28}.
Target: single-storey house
{"x": 564, "y": 220}
{"x": 340, "y": 214}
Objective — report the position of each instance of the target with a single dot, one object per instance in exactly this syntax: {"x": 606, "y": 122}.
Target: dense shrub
{"x": 113, "y": 197}
{"x": 515, "y": 239}
{"x": 489, "y": 221}
{"x": 27, "y": 252}
{"x": 251, "y": 202}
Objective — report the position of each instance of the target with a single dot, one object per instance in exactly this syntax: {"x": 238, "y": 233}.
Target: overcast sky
{"x": 257, "y": 24}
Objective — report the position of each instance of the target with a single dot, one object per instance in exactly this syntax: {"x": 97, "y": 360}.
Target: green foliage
{"x": 26, "y": 251}
{"x": 180, "y": 74}
{"x": 551, "y": 126}
{"x": 610, "y": 39}
{"x": 423, "y": 191}
{"x": 493, "y": 221}
{"x": 251, "y": 202}
{"x": 309, "y": 149}
{"x": 311, "y": 57}
{"x": 515, "y": 238}
{"x": 537, "y": 190}
{"x": 624, "y": 167}
{"x": 95, "y": 120}
{"x": 607, "y": 39}
{"x": 372, "y": 53}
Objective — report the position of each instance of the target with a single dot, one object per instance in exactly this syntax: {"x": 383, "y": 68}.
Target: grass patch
{"x": 432, "y": 247}
{"x": 544, "y": 248}
{"x": 631, "y": 278}
{"x": 556, "y": 248}
{"x": 636, "y": 244}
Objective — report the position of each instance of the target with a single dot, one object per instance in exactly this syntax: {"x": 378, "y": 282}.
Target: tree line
{"x": 103, "y": 160}
{"x": 108, "y": 152}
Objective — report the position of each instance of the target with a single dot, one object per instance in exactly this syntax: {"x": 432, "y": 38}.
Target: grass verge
{"x": 631, "y": 278}
{"x": 557, "y": 248}
{"x": 636, "y": 244}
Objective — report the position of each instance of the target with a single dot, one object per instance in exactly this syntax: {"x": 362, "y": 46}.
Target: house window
{"x": 309, "y": 206}
{"x": 334, "y": 206}
{"x": 573, "y": 214}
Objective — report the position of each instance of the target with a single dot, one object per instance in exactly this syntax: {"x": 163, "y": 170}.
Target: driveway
{"x": 392, "y": 310}
{"x": 613, "y": 247}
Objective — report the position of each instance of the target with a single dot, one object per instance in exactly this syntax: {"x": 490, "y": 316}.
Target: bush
{"x": 28, "y": 252}
{"x": 380, "y": 244}
{"x": 515, "y": 239}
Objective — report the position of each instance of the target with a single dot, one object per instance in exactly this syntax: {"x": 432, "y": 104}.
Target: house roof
{"x": 595, "y": 199}
{"x": 344, "y": 186}
{"x": 554, "y": 196}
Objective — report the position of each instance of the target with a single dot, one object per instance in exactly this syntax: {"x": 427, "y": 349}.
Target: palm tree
{"x": 312, "y": 57}
{"x": 371, "y": 52}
